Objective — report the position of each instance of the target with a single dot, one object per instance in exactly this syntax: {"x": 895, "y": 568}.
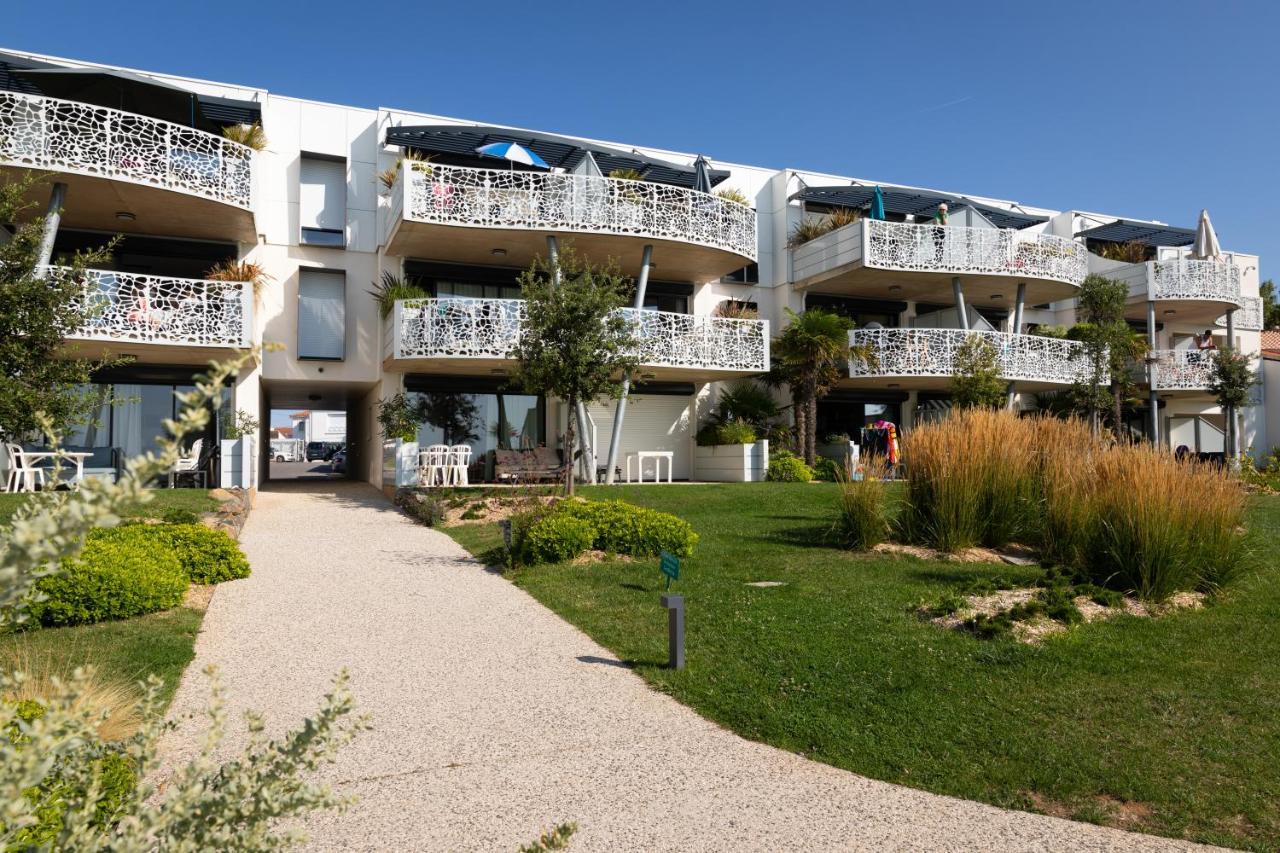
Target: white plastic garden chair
{"x": 23, "y": 476}
{"x": 459, "y": 461}
{"x": 432, "y": 465}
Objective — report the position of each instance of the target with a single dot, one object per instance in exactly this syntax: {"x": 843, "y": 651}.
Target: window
{"x": 322, "y": 314}
{"x": 322, "y": 201}
{"x": 745, "y": 275}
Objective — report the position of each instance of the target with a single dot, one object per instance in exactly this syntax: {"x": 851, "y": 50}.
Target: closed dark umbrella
{"x": 121, "y": 90}
{"x": 702, "y": 175}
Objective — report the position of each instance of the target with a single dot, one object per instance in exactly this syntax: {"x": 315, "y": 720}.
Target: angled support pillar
{"x": 642, "y": 284}
{"x": 52, "y": 218}
{"x": 580, "y": 411}
{"x": 1017, "y": 330}
{"x": 957, "y": 290}
{"x": 1153, "y": 399}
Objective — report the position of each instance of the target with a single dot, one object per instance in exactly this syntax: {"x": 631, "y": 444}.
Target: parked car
{"x": 339, "y": 461}
{"x": 333, "y": 450}
{"x": 322, "y": 450}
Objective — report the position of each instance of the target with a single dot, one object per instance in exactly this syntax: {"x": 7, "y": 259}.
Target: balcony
{"x": 902, "y": 260}
{"x": 1178, "y": 370}
{"x": 172, "y": 179}
{"x": 1184, "y": 290}
{"x": 925, "y": 358}
{"x": 475, "y": 337}
{"x": 158, "y": 319}
{"x": 1249, "y": 317}
{"x": 462, "y": 215}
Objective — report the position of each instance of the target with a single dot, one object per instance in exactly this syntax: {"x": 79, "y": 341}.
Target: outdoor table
{"x": 657, "y": 456}
{"x": 32, "y": 456}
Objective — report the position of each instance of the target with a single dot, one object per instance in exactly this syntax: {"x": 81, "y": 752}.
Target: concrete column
{"x": 1017, "y": 330}
{"x": 642, "y": 283}
{"x": 957, "y": 289}
{"x": 553, "y": 260}
{"x": 1153, "y": 399}
{"x": 52, "y": 218}
{"x": 1233, "y": 433}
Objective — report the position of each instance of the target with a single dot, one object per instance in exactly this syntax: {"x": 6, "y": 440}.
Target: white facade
{"x": 329, "y": 206}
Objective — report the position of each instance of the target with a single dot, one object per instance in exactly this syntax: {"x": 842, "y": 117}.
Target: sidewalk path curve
{"x": 494, "y": 719}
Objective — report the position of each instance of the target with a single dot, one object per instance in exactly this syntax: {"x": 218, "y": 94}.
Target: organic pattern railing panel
{"x": 1249, "y": 317}
{"x": 490, "y": 328}
{"x": 932, "y": 352}
{"x": 159, "y": 310}
{"x": 505, "y": 198}
{"x": 1181, "y": 369}
{"x": 1192, "y": 279}
{"x": 960, "y": 249}
{"x": 48, "y": 133}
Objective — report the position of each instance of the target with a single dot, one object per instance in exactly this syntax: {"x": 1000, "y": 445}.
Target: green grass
{"x": 126, "y": 651}
{"x": 1175, "y": 717}
{"x": 195, "y": 500}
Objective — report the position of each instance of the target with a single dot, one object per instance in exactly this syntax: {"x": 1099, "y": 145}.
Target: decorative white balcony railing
{"x": 1249, "y": 318}
{"x": 1193, "y": 280}
{"x": 504, "y": 198}
{"x": 932, "y": 353}
{"x": 129, "y": 307}
{"x": 490, "y": 328}
{"x": 1180, "y": 369}
{"x": 68, "y": 136}
{"x": 959, "y": 250}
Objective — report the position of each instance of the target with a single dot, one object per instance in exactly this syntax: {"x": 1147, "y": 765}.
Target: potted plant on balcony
{"x": 417, "y": 161}
{"x": 630, "y": 197}
{"x": 248, "y": 135}
{"x": 734, "y": 195}
{"x": 390, "y": 288}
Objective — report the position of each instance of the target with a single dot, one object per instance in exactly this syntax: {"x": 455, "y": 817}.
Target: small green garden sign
{"x": 670, "y": 566}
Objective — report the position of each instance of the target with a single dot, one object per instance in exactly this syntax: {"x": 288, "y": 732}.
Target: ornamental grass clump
{"x": 863, "y": 522}
{"x": 970, "y": 480}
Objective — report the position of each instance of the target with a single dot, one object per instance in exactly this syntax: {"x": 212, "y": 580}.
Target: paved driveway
{"x": 493, "y": 718}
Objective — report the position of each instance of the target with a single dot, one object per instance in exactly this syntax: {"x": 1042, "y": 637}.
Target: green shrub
{"x": 729, "y": 432}
{"x": 179, "y": 515}
{"x": 828, "y": 470}
{"x": 117, "y": 783}
{"x": 121, "y": 572}
{"x": 207, "y": 555}
{"x": 786, "y": 467}
{"x": 623, "y": 528}
{"x": 556, "y": 538}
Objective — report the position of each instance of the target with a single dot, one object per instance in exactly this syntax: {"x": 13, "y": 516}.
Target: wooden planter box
{"x": 731, "y": 463}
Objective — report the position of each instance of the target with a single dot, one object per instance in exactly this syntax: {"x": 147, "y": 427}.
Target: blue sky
{"x": 1149, "y": 110}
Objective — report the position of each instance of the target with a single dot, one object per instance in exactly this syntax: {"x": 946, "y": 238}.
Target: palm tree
{"x": 813, "y": 354}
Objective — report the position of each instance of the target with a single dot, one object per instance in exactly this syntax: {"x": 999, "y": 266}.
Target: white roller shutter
{"x": 652, "y": 422}
{"x": 322, "y": 194}
{"x": 322, "y": 315}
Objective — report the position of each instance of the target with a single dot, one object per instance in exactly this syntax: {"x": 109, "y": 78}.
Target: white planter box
{"x": 399, "y": 463}
{"x": 731, "y": 463}
{"x": 237, "y": 463}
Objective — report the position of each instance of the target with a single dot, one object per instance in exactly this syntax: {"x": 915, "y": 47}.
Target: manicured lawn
{"x": 195, "y": 500}
{"x": 126, "y": 651}
{"x": 1168, "y": 726}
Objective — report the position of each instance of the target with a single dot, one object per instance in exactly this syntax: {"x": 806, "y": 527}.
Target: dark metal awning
{"x": 1146, "y": 233}
{"x": 459, "y": 142}
{"x": 123, "y": 90}
{"x": 914, "y": 202}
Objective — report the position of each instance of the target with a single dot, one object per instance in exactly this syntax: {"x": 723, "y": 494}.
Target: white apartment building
{"x": 340, "y": 196}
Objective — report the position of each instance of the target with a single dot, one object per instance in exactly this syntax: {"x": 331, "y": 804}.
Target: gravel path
{"x": 494, "y": 719}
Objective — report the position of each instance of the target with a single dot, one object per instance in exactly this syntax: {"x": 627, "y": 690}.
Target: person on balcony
{"x": 1205, "y": 342}
{"x": 939, "y": 231}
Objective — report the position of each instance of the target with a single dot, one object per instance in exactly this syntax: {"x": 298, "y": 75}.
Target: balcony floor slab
{"x": 981, "y": 289}
{"x": 93, "y": 202}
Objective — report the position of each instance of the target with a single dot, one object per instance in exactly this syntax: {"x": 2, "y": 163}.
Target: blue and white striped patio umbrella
{"x": 514, "y": 152}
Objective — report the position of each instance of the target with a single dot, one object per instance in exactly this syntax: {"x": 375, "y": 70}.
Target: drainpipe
{"x": 1017, "y": 330}
{"x": 1153, "y": 400}
{"x": 580, "y": 412}
{"x": 641, "y": 285}
{"x": 1233, "y": 433}
{"x": 958, "y": 291}
{"x": 52, "y": 218}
